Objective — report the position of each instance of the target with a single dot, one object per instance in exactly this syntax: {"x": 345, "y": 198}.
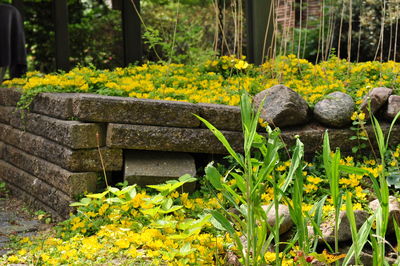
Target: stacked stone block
{"x": 51, "y": 154}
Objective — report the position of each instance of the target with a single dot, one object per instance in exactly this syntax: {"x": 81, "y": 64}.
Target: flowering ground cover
{"x": 220, "y": 80}
{"x": 225, "y": 221}
{"x": 163, "y": 225}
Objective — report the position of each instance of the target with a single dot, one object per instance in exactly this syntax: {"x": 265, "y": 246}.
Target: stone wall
{"x": 52, "y": 155}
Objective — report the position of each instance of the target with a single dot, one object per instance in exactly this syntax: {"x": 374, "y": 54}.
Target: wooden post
{"x": 260, "y": 28}
{"x": 131, "y": 25}
{"x": 60, "y": 18}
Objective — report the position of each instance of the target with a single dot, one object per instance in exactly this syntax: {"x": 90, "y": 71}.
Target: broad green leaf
{"x": 213, "y": 176}
{"x": 171, "y": 209}
{"x": 97, "y": 195}
{"x": 167, "y": 204}
{"x": 223, "y": 221}
{"x": 82, "y": 202}
{"x": 187, "y": 178}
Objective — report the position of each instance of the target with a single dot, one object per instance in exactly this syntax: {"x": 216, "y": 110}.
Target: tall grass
{"x": 252, "y": 177}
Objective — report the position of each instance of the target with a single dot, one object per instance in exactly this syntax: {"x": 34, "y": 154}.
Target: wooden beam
{"x": 132, "y": 37}
{"x": 60, "y": 18}
{"x": 260, "y": 27}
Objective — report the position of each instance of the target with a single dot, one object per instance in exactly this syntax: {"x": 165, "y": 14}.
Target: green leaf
{"x": 171, "y": 209}
{"x": 222, "y": 139}
{"x": 223, "y": 221}
{"x": 167, "y": 204}
{"x": 187, "y": 178}
{"x": 213, "y": 176}
{"x": 97, "y": 195}
{"x": 82, "y": 202}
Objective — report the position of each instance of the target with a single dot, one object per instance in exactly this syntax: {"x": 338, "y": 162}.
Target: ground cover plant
{"x": 227, "y": 219}
{"x": 218, "y": 81}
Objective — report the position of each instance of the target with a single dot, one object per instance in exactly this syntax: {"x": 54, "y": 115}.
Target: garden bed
{"x": 50, "y": 155}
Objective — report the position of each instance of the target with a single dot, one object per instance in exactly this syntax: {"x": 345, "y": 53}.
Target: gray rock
{"x": 19, "y": 226}
{"x": 344, "y": 233}
{"x": 140, "y": 137}
{"x": 154, "y": 167}
{"x": 335, "y": 110}
{"x": 394, "y": 212}
{"x": 86, "y": 160}
{"x": 375, "y": 99}
{"x": 393, "y": 106}
{"x": 69, "y": 182}
{"x": 282, "y": 106}
{"x": 98, "y": 108}
{"x": 284, "y": 214}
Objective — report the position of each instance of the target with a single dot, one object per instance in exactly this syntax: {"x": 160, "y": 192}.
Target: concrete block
{"x": 72, "y": 184}
{"x": 154, "y": 167}
{"x": 155, "y": 138}
{"x": 86, "y": 160}
{"x": 98, "y": 108}
{"x": 73, "y": 134}
{"x": 48, "y": 195}
{"x": 9, "y": 96}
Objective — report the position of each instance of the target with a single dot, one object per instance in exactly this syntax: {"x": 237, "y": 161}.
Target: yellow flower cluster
{"x": 221, "y": 80}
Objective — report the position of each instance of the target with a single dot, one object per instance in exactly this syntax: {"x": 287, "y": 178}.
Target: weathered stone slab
{"x": 87, "y": 160}
{"x": 154, "y": 167}
{"x": 2, "y": 146}
{"x": 123, "y": 136}
{"x": 73, "y": 134}
{"x": 5, "y": 114}
{"x": 98, "y": 108}
{"x": 58, "y": 105}
{"x": 223, "y": 117}
{"x": 36, "y": 204}
{"x": 9, "y": 96}
{"x": 49, "y": 195}
{"x": 70, "y": 183}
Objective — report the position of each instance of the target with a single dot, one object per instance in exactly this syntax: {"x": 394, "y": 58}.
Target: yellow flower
{"x": 309, "y": 188}
{"x": 122, "y": 243}
{"x": 12, "y": 259}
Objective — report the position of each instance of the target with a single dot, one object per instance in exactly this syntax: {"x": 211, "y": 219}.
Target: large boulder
{"x": 393, "y": 106}
{"x": 394, "y": 212}
{"x": 375, "y": 99}
{"x": 328, "y": 229}
{"x": 335, "y": 110}
{"x": 282, "y": 106}
{"x": 284, "y": 215}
